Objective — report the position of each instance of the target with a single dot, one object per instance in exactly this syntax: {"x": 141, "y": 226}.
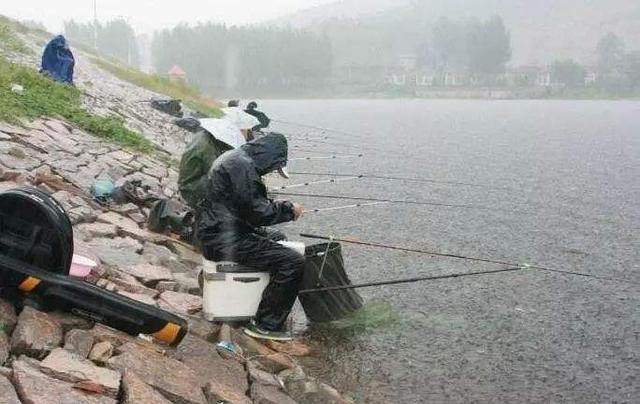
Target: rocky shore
{"x": 57, "y": 357}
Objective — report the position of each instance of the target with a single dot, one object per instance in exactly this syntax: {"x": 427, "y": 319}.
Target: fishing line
{"x": 334, "y": 157}
{"x": 307, "y": 184}
{"x": 408, "y": 280}
{"x": 301, "y": 125}
{"x": 394, "y": 178}
{"x": 399, "y": 201}
{"x": 446, "y": 255}
{"x": 298, "y": 149}
{"x": 356, "y": 205}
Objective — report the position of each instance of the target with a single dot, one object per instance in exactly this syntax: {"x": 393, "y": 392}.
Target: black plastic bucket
{"x": 325, "y": 268}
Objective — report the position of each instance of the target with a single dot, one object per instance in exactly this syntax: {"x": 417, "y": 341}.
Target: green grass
{"x": 190, "y": 96}
{"x": 45, "y": 97}
{"x": 9, "y": 40}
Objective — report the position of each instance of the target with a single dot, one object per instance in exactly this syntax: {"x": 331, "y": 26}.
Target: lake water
{"x": 562, "y": 181}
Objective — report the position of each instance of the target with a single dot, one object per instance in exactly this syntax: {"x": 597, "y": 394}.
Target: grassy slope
{"x": 189, "y": 95}
{"x": 9, "y": 41}
{"x": 44, "y": 97}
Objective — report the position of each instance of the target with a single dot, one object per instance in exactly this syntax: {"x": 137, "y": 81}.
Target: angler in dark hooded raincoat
{"x": 236, "y": 207}
{"x": 58, "y": 61}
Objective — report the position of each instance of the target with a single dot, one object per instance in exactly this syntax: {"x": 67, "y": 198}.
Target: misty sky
{"x": 147, "y": 15}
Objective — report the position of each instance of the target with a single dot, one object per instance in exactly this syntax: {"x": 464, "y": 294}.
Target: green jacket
{"x": 195, "y": 164}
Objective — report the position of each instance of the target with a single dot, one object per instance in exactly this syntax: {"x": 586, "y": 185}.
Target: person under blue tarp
{"x": 58, "y": 61}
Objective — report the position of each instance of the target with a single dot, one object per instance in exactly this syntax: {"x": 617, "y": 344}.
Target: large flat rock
{"x": 128, "y": 227}
{"x": 34, "y": 387}
{"x": 202, "y": 357}
{"x": 79, "y": 342}
{"x": 147, "y": 273}
{"x": 180, "y": 303}
{"x": 36, "y": 334}
{"x": 136, "y": 391}
{"x": 263, "y": 394}
{"x": 67, "y": 366}
{"x": 117, "y": 252}
{"x": 8, "y": 393}
{"x": 172, "y": 378}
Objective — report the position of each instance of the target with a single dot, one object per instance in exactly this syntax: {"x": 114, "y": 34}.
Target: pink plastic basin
{"x": 81, "y": 266}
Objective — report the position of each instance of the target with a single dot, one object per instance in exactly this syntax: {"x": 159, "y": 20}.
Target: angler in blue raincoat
{"x": 58, "y": 61}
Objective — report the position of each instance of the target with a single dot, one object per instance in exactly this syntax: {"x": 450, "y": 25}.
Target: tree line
{"x": 216, "y": 56}
{"x": 480, "y": 48}
{"x": 114, "y": 38}
{"x": 616, "y": 71}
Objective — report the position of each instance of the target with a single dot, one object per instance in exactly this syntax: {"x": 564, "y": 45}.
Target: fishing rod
{"x": 301, "y": 125}
{"x": 356, "y": 205}
{"x": 306, "y": 137}
{"x": 298, "y": 149}
{"x": 439, "y": 254}
{"x": 409, "y": 179}
{"x": 333, "y": 157}
{"x": 408, "y": 280}
{"x": 399, "y": 201}
{"x": 306, "y": 184}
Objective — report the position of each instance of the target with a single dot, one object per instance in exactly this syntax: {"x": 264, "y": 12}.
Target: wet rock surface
{"x": 8, "y": 392}
{"x": 64, "y": 365}
{"x": 79, "y": 342}
{"x": 172, "y": 378}
{"x": 36, "y": 334}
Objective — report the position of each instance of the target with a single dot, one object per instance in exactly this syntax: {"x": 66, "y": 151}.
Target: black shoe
{"x": 253, "y": 330}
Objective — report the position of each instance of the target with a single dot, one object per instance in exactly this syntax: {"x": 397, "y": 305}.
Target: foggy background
{"x": 409, "y": 48}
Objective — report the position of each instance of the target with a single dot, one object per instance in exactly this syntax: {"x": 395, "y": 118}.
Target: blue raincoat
{"x": 58, "y": 61}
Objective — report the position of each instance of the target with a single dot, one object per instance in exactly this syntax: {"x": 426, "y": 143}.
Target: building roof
{"x": 177, "y": 71}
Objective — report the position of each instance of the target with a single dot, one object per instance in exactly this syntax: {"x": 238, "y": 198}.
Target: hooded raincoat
{"x": 58, "y": 61}
{"x": 195, "y": 164}
{"x": 237, "y": 206}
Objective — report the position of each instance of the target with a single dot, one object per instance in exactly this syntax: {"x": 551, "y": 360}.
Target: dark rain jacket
{"x": 195, "y": 164}
{"x": 261, "y": 116}
{"x": 237, "y": 203}
{"x": 58, "y": 61}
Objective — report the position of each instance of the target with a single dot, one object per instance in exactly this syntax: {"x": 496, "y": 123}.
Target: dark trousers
{"x": 263, "y": 255}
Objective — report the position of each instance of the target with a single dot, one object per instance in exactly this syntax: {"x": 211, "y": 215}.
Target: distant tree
{"x": 449, "y": 44}
{"x": 568, "y": 72}
{"x": 116, "y": 38}
{"x": 609, "y": 50}
{"x": 488, "y": 46}
{"x": 630, "y": 70}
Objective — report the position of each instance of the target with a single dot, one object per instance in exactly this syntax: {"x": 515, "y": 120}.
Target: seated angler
{"x": 229, "y": 227}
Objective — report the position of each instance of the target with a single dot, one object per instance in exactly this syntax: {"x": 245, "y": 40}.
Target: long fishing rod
{"x": 355, "y": 205}
{"x": 408, "y": 280}
{"x": 310, "y": 183}
{"x": 333, "y": 157}
{"x": 408, "y": 179}
{"x": 302, "y": 150}
{"x": 439, "y": 254}
{"x": 301, "y": 125}
{"x": 398, "y": 201}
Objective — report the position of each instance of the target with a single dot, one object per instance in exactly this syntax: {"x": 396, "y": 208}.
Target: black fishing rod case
{"x": 36, "y": 249}
{"x": 324, "y": 267}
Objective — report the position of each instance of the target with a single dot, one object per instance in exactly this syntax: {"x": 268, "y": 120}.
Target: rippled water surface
{"x": 561, "y": 179}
